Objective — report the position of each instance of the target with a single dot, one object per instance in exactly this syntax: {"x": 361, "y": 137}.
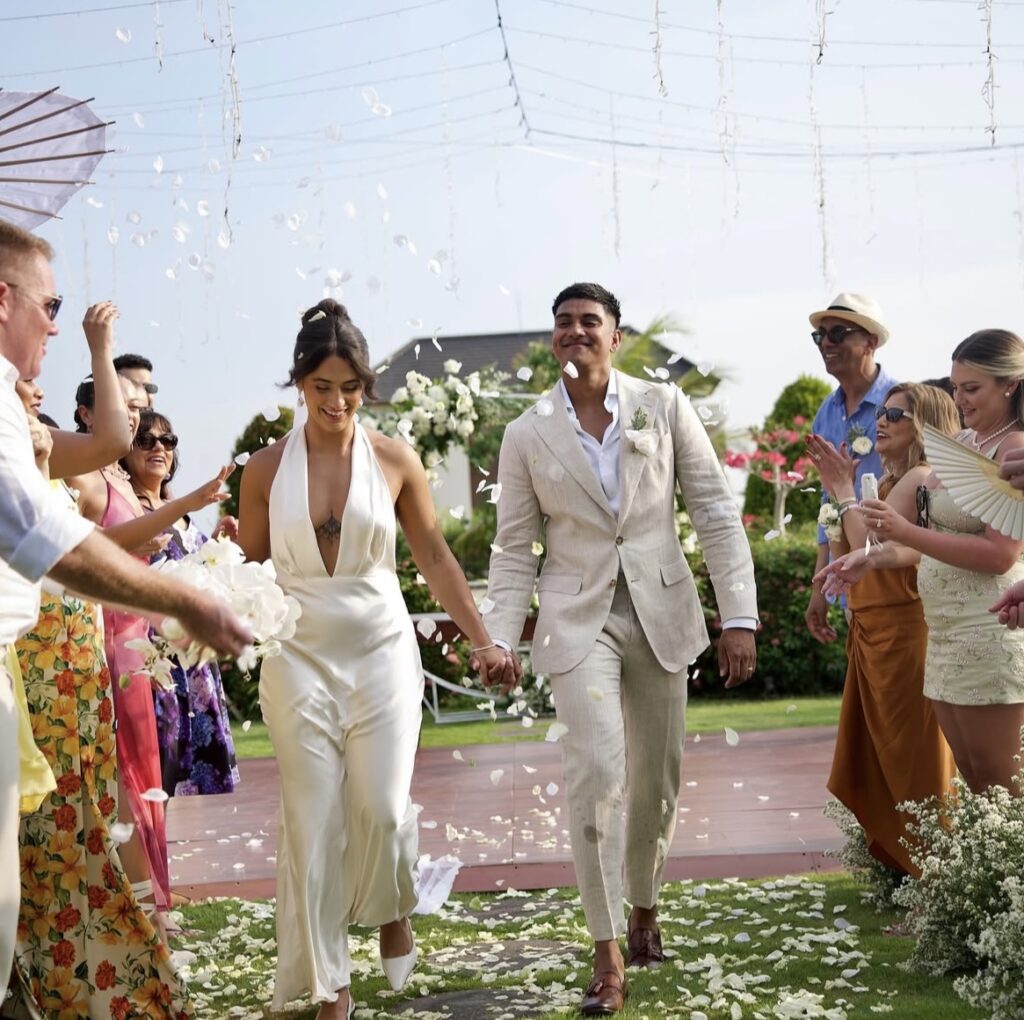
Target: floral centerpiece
{"x": 250, "y": 589}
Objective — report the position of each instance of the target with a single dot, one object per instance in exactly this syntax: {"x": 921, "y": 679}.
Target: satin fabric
{"x": 342, "y": 705}
{"x": 138, "y": 750}
{"x": 889, "y": 747}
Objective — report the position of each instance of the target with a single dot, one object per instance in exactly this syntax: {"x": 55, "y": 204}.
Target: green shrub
{"x": 789, "y": 660}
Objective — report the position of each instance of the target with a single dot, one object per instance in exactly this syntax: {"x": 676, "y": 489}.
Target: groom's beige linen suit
{"x": 620, "y": 617}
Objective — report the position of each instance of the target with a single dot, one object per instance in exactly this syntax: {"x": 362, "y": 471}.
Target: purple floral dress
{"x": 197, "y": 754}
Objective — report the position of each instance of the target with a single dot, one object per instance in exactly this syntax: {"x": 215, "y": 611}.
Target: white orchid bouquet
{"x": 250, "y": 589}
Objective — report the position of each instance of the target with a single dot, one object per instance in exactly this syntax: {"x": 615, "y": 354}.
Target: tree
{"x": 794, "y": 409}
{"x": 257, "y": 434}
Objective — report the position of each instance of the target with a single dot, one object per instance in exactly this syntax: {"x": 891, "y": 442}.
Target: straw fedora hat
{"x": 855, "y": 308}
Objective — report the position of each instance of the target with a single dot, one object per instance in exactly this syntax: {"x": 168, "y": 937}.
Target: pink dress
{"x": 138, "y": 750}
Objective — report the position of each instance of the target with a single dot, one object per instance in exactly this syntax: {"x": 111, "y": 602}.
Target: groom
{"x": 591, "y": 470}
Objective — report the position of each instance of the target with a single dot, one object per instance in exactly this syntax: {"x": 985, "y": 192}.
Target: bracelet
{"x": 483, "y": 648}
{"x": 843, "y": 507}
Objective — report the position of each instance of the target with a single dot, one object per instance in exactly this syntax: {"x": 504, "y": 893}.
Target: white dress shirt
{"x": 36, "y": 527}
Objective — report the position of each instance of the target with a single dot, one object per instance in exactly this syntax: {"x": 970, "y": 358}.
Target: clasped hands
{"x": 497, "y": 667}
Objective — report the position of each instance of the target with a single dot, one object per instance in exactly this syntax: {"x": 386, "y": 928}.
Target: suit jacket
{"x": 549, "y": 493}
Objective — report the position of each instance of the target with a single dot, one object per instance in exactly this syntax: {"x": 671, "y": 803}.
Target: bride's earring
{"x": 301, "y": 401}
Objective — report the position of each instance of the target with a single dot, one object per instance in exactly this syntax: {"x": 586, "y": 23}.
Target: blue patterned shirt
{"x": 832, "y": 422}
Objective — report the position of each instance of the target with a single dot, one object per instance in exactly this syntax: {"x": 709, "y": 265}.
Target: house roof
{"x": 474, "y": 351}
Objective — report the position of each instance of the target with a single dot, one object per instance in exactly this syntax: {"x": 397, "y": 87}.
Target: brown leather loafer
{"x": 644, "y": 948}
{"x": 605, "y": 995}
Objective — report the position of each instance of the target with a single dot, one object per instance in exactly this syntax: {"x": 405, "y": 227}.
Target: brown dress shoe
{"x": 605, "y": 995}
{"x": 644, "y": 948}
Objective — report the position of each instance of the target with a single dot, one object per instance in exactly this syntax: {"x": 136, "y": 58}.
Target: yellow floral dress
{"x": 85, "y": 948}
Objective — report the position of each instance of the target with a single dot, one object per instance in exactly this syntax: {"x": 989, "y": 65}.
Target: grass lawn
{"x": 702, "y": 716}
{"x": 793, "y": 947}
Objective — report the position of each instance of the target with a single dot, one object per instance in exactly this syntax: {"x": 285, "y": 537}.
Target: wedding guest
{"x": 108, "y": 499}
{"x": 342, "y": 700}
{"x": 104, "y": 953}
{"x": 889, "y": 748}
{"x": 140, "y": 371}
{"x": 847, "y": 334}
{"x": 595, "y": 467}
{"x": 39, "y": 535}
{"x": 197, "y": 754}
{"x": 975, "y": 669}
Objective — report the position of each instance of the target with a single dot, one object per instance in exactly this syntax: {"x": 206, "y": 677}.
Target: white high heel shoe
{"x": 398, "y": 969}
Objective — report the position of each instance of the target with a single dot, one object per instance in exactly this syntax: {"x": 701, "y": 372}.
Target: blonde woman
{"x": 889, "y": 747}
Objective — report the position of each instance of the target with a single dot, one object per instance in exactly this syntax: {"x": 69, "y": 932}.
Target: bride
{"x": 342, "y": 701}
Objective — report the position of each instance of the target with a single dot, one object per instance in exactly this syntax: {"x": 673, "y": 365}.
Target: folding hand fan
{"x": 974, "y": 483}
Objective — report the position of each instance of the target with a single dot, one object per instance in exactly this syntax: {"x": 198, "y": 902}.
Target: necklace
{"x": 978, "y": 443}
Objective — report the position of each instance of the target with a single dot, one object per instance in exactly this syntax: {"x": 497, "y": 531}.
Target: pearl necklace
{"x": 979, "y": 443}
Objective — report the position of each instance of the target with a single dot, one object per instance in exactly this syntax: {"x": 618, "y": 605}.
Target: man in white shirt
{"x": 595, "y": 465}
{"x": 39, "y": 535}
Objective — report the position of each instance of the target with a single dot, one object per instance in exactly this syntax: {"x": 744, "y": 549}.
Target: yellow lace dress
{"x": 972, "y": 659}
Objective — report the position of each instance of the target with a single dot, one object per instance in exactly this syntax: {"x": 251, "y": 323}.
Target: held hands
{"x": 497, "y": 667}
{"x": 737, "y": 655}
{"x": 211, "y": 492}
{"x": 1010, "y": 608}
{"x": 99, "y": 327}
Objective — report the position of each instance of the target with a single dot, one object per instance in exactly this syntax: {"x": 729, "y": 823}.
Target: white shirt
{"x": 603, "y": 458}
{"x": 36, "y": 527}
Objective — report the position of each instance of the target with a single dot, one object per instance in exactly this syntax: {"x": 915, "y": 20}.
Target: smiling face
{"x": 333, "y": 393}
{"x": 850, "y": 354}
{"x": 981, "y": 398}
{"x": 894, "y": 438}
{"x": 151, "y": 467}
{"x": 31, "y": 396}
{"x": 25, "y": 324}
{"x": 584, "y": 333}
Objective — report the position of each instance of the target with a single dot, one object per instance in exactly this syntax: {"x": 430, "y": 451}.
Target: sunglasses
{"x": 147, "y": 441}
{"x": 892, "y": 414}
{"x": 923, "y": 517}
{"x": 51, "y": 304}
{"x": 837, "y": 334}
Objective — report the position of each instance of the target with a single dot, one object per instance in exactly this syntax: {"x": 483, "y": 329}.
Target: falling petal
{"x": 504, "y": 290}
{"x": 546, "y": 641}
{"x": 195, "y": 260}
{"x": 121, "y": 832}
{"x": 94, "y": 202}
{"x": 537, "y": 549}
{"x": 525, "y": 373}
{"x": 369, "y": 94}
{"x": 551, "y": 789}
{"x": 705, "y": 367}
{"x": 123, "y": 35}
{"x": 203, "y": 207}
{"x": 158, "y": 164}
{"x": 154, "y": 794}
{"x": 770, "y": 536}
{"x": 381, "y": 110}
{"x": 595, "y": 694}
{"x": 790, "y": 708}
{"x": 696, "y": 738}
{"x": 555, "y": 732}
{"x": 271, "y": 412}
{"x": 495, "y": 493}
{"x": 350, "y": 210}
{"x": 223, "y": 239}
{"x": 134, "y": 217}
{"x": 382, "y": 192}
{"x": 661, "y": 373}
{"x": 457, "y": 755}
{"x": 401, "y": 241}
{"x": 261, "y": 154}
{"x": 496, "y": 775}
{"x": 738, "y": 586}
{"x": 571, "y": 370}
{"x": 426, "y": 626}
{"x": 486, "y": 606}
{"x": 434, "y": 267}
{"x": 458, "y": 512}
{"x": 673, "y": 359}
{"x": 527, "y": 722}
{"x": 544, "y": 407}
{"x": 495, "y": 548}
{"x": 414, "y": 323}
{"x": 139, "y": 240}
{"x": 113, "y": 234}
{"x": 246, "y": 726}
{"x": 138, "y": 119}
{"x": 732, "y": 738}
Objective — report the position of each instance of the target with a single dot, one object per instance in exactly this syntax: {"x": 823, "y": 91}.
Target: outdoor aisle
{"x": 748, "y": 811}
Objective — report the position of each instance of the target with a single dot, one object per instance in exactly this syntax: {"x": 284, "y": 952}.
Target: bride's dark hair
{"x": 327, "y": 330}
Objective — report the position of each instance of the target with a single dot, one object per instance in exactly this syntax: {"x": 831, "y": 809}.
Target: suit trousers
{"x": 626, "y": 720}
{"x": 10, "y": 869}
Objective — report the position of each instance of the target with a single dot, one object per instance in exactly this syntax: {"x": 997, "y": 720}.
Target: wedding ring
{"x": 878, "y": 523}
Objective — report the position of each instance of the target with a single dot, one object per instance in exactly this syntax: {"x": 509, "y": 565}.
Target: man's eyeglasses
{"x": 51, "y": 304}
{"x": 837, "y": 334}
{"x": 892, "y": 414}
{"x": 147, "y": 441}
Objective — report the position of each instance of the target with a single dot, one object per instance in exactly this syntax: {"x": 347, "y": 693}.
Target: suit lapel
{"x": 559, "y": 435}
{"x": 632, "y": 398}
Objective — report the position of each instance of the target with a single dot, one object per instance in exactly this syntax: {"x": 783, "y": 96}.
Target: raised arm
{"x": 76, "y": 453}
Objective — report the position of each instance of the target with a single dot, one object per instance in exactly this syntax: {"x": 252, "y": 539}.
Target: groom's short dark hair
{"x": 590, "y": 292}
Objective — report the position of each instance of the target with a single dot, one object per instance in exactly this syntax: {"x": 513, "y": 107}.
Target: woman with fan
{"x": 975, "y": 667}
{"x": 889, "y": 748}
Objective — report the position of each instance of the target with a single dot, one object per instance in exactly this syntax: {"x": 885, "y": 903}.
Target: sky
{"x": 435, "y": 170}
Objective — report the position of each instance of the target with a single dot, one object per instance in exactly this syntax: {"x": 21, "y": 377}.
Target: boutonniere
{"x": 644, "y": 439}
{"x": 858, "y": 441}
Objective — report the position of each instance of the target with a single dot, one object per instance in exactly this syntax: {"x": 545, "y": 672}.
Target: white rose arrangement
{"x": 859, "y": 441}
{"x": 250, "y": 589}
{"x": 829, "y": 519}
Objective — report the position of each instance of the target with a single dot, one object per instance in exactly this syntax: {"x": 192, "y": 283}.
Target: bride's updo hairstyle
{"x": 328, "y": 331}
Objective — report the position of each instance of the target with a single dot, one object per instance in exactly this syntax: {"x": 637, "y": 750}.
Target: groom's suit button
{"x": 619, "y": 540}
{"x": 611, "y": 584}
